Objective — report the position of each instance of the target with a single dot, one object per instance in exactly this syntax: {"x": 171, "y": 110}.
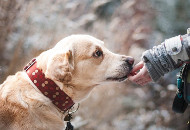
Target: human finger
{"x": 147, "y": 79}
{"x": 143, "y": 80}
{"x": 137, "y": 67}
{"x": 134, "y": 78}
{"x": 143, "y": 83}
{"x": 141, "y": 77}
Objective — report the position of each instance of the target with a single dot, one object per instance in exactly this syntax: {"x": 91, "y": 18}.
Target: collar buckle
{"x": 29, "y": 64}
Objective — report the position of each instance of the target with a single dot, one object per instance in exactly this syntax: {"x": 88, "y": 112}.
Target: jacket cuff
{"x": 155, "y": 76}
{"x": 158, "y": 62}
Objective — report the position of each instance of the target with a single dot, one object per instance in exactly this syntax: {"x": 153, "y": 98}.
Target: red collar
{"x": 48, "y": 87}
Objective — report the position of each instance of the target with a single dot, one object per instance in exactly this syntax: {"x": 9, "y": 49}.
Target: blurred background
{"x": 129, "y": 27}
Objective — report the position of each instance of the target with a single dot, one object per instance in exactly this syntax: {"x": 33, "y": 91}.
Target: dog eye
{"x": 98, "y": 53}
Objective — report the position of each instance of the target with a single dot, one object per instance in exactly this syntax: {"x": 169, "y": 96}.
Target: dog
{"x": 38, "y": 97}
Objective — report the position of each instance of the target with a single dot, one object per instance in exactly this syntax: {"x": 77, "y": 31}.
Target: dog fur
{"x": 75, "y": 66}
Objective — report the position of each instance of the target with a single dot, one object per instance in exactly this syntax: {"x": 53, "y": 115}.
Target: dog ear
{"x": 60, "y": 66}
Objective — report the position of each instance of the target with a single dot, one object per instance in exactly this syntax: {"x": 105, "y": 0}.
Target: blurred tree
{"x": 8, "y": 13}
{"x": 172, "y": 16}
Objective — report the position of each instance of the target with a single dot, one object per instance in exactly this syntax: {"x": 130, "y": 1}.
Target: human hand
{"x": 142, "y": 77}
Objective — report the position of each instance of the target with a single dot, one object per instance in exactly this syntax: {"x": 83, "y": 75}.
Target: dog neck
{"x": 77, "y": 92}
{"x": 48, "y": 87}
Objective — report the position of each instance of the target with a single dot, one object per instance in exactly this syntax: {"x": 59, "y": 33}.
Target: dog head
{"x": 82, "y": 60}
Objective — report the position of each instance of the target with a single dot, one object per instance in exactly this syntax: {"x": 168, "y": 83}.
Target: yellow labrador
{"x": 32, "y": 99}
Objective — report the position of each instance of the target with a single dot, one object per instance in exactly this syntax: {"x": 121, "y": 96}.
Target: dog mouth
{"x": 120, "y": 78}
{"x": 117, "y": 78}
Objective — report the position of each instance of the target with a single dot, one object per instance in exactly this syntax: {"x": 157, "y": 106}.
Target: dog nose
{"x": 130, "y": 60}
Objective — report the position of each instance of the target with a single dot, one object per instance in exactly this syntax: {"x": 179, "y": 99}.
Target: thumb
{"x": 138, "y": 67}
